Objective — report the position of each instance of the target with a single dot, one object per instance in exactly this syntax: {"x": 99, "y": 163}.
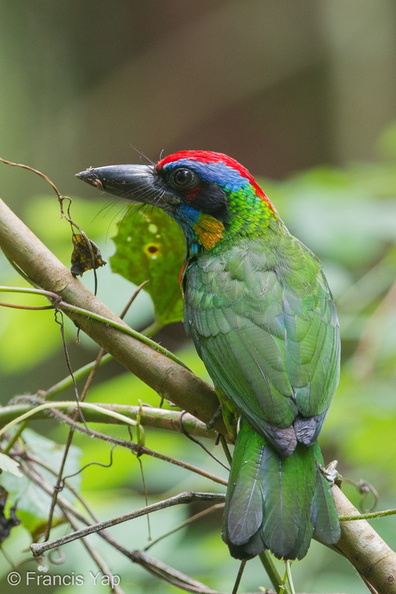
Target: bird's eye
{"x": 183, "y": 178}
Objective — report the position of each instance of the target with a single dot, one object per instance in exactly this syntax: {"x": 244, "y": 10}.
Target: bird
{"x": 263, "y": 320}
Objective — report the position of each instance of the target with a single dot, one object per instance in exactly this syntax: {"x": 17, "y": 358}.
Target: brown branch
{"x": 369, "y": 554}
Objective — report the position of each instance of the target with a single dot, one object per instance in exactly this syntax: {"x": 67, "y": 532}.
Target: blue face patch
{"x": 186, "y": 216}
{"x": 227, "y": 177}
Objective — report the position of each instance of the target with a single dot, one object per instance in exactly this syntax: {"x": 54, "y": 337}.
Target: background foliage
{"x": 301, "y": 94}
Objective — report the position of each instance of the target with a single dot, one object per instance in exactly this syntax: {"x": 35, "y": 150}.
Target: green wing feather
{"x": 244, "y": 506}
{"x": 288, "y": 490}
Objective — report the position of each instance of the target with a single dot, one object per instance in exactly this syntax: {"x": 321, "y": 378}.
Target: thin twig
{"x": 275, "y": 578}
{"x": 52, "y": 406}
{"x": 187, "y": 497}
{"x": 239, "y": 576}
{"x": 190, "y": 520}
{"x": 370, "y": 516}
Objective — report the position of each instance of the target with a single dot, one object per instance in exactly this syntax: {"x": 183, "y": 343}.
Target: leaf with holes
{"x": 150, "y": 246}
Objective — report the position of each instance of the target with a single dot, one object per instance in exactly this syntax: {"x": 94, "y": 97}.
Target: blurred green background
{"x": 303, "y": 94}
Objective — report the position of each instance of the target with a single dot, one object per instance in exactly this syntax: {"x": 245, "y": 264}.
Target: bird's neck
{"x": 248, "y": 216}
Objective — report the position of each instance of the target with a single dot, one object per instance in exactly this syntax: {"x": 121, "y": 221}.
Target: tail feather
{"x": 276, "y": 503}
{"x": 289, "y": 485}
{"x": 244, "y": 507}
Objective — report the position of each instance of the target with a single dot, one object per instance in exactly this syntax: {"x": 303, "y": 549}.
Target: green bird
{"x": 262, "y": 318}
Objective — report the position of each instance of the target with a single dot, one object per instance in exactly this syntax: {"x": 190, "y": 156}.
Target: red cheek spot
{"x": 191, "y": 194}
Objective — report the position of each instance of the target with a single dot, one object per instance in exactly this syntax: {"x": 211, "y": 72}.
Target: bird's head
{"x": 209, "y": 194}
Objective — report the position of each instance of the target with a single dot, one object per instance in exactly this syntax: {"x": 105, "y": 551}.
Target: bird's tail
{"x": 277, "y": 503}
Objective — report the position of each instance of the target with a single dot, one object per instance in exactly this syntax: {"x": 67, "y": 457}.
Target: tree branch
{"x": 158, "y": 418}
{"x": 369, "y": 554}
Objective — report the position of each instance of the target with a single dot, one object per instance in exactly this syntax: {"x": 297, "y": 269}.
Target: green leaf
{"x": 150, "y": 246}
{"x": 7, "y": 464}
{"x": 33, "y": 503}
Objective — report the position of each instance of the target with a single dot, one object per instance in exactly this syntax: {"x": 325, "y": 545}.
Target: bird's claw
{"x": 215, "y": 418}
{"x": 331, "y": 473}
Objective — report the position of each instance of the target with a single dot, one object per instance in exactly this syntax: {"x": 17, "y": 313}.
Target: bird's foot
{"x": 331, "y": 473}
{"x": 215, "y": 418}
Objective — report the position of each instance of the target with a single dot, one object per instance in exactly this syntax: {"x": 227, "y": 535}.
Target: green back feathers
{"x": 263, "y": 321}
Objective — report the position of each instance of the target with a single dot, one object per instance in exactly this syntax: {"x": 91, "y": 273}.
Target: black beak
{"x": 126, "y": 181}
{"x": 138, "y": 183}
